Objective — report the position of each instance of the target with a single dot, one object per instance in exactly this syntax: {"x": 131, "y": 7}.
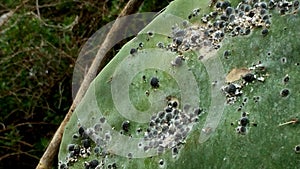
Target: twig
{"x": 293, "y": 121}
{"x": 5, "y": 17}
{"x": 37, "y": 8}
{"x": 52, "y": 149}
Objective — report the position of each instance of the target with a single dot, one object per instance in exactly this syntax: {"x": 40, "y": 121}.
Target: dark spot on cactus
{"x": 133, "y": 51}
{"x": 284, "y": 93}
{"x": 154, "y": 82}
{"x": 254, "y": 124}
{"x": 249, "y": 77}
{"x": 297, "y": 149}
{"x": 126, "y": 125}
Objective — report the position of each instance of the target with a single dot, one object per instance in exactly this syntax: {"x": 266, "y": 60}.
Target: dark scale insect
{"x": 174, "y": 104}
{"x": 218, "y": 4}
{"x": 230, "y": 89}
{"x": 178, "y": 41}
{"x": 231, "y": 17}
{"x": 81, "y": 131}
{"x": 114, "y": 165}
{"x": 251, "y": 14}
{"x": 271, "y": 4}
{"x": 168, "y": 117}
{"x": 249, "y": 77}
{"x": 93, "y": 164}
{"x": 71, "y": 147}
{"x": 169, "y": 109}
{"x": 296, "y": 4}
{"x": 141, "y": 45}
{"x": 247, "y": 8}
{"x": 126, "y": 125}
{"x": 76, "y": 151}
{"x": 284, "y": 92}
{"x": 161, "y": 162}
{"x": 198, "y": 111}
{"x": 154, "y": 82}
{"x": 97, "y": 150}
{"x": 229, "y": 11}
{"x": 297, "y": 149}
{"x": 265, "y": 17}
{"x": 161, "y": 114}
{"x": 150, "y": 33}
{"x": 263, "y": 11}
{"x": 263, "y": 5}
{"x": 152, "y": 123}
{"x": 133, "y": 51}
{"x": 86, "y": 143}
{"x": 265, "y": 31}
{"x": 178, "y": 61}
{"x": 160, "y": 45}
{"x": 286, "y": 79}
{"x": 175, "y": 150}
{"x": 244, "y": 121}
{"x": 223, "y": 17}
{"x": 225, "y": 4}
{"x": 129, "y": 155}
{"x": 75, "y": 136}
{"x": 226, "y": 54}
{"x": 102, "y": 119}
{"x": 63, "y": 166}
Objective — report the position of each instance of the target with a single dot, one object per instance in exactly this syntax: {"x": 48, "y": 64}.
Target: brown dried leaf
{"x": 235, "y": 74}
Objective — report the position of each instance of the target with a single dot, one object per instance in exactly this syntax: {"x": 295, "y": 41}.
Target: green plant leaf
{"x": 241, "y": 124}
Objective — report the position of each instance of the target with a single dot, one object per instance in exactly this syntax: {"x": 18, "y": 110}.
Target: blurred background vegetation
{"x": 39, "y": 45}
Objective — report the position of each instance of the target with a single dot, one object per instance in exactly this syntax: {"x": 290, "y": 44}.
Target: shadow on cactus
{"x": 207, "y": 87}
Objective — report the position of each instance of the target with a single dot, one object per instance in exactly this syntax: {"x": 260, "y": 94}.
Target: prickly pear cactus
{"x": 207, "y": 84}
